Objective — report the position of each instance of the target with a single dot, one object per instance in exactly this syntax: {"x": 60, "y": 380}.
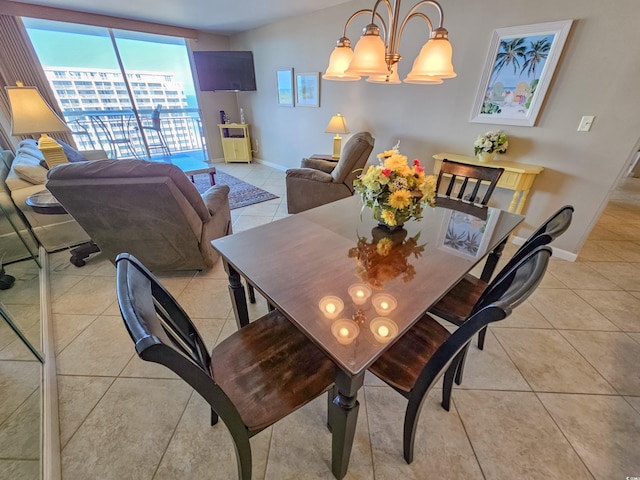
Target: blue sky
{"x": 65, "y": 49}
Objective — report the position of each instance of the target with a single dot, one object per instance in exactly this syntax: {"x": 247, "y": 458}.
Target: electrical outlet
{"x": 585, "y": 123}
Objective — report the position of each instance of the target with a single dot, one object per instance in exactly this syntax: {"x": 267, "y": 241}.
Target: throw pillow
{"x": 28, "y": 168}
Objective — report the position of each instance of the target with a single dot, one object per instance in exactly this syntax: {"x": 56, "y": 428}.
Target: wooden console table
{"x": 518, "y": 177}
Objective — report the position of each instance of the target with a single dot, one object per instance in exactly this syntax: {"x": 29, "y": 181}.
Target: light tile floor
{"x": 554, "y": 395}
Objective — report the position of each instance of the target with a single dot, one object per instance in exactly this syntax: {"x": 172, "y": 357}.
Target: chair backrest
{"x": 552, "y": 228}
{"x": 150, "y": 209}
{"x": 163, "y": 333}
{"x": 504, "y": 294}
{"x": 470, "y": 175}
{"x": 354, "y": 156}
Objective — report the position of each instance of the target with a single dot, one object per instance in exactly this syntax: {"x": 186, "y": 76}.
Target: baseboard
{"x": 557, "y": 252}
{"x": 51, "y": 466}
{"x": 282, "y": 168}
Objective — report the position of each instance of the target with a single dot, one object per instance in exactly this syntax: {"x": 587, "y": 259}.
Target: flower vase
{"x": 486, "y": 157}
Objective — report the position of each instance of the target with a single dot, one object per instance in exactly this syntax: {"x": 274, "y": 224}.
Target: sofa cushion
{"x": 26, "y": 165}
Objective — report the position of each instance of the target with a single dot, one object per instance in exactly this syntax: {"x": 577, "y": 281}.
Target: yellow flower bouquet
{"x": 395, "y": 190}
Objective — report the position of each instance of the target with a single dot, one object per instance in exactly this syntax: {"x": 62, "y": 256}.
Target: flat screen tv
{"x": 225, "y": 70}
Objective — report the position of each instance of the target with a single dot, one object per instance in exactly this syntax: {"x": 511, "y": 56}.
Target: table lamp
{"x": 30, "y": 115}
{"x": 337, "y": 125}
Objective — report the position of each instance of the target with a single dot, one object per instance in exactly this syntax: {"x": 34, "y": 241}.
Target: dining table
{"x": 353, "y": 287}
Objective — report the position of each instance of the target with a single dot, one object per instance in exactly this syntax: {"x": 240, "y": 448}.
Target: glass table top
{"x": 353, "y": 286}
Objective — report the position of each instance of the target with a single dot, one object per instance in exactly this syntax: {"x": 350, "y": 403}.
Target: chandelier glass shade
{"x": 376, "y": 56}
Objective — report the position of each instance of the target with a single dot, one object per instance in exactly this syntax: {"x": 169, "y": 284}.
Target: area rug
{"x": 241, "y": 193}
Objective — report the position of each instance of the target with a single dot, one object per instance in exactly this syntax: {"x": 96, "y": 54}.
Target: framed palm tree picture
{"x": 518, "y": 71}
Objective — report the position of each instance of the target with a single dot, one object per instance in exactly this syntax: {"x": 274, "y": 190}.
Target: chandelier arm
{"x": 412, "y": 15}
{"x": 373, "y": 14}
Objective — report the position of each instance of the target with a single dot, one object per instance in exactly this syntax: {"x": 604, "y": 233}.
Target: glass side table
{"x": 45, "y": 203}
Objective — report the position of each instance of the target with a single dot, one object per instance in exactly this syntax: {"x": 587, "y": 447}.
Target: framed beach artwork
{"x": 465, "y": 235}
{"x": 285, "y": 87}
{"x": 308, "y": 89}
{"x": 518, "y": 71}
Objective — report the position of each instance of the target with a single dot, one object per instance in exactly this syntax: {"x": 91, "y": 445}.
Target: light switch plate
{"x": 585, "y": 123}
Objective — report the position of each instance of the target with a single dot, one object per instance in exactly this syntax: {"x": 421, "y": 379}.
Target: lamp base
{"x": 337, "y": 147}
{"x": 51, "y": 151}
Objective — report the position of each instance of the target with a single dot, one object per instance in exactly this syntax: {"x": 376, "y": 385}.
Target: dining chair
{"x": 428, "y": 351}
{"x": 456, "y": 306}
{"x": 255, "y": 377}
{"x": 470, "y": 178}
{"x": 161, "y": 143}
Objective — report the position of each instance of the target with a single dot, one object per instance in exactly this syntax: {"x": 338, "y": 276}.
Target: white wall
{"x": 597, "y": 75}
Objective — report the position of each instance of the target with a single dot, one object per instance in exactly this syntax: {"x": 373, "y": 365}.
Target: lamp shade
{"x": 434, "y": 59}
{"x": 337, "y": 124}
{"x": 30, "y": 114}
{"x": 369, "y": 57}
{"x": 338, "y": 62}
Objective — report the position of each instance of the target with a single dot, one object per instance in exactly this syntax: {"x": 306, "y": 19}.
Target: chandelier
{"x": 377, "y": 59}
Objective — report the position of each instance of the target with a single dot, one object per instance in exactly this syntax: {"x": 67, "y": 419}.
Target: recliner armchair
{"x": 309, "y": 187}
{"x": 149, "y": 209}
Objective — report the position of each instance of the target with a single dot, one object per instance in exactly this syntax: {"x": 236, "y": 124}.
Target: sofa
{"x": 25, "y": 176}
{"x": 149, "y": 209}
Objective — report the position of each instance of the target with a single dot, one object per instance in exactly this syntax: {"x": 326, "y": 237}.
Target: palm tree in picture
{"x": 535, "y": 56}
{"x": 510, "y": 52}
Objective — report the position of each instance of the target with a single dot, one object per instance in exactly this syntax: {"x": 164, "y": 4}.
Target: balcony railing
{"x": 117, "y": 132}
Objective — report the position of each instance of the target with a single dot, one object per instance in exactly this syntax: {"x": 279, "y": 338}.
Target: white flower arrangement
{"x": 493, "y": 141}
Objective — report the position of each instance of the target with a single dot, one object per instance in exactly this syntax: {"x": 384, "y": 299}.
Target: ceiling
{"x": 218, "y": 16}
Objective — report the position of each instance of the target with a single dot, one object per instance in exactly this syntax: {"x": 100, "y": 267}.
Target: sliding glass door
{"x": 129, "y": 93}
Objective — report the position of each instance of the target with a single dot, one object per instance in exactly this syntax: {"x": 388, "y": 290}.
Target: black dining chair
{"x": 255, "y": 377}
{"x": 413, "y": 364}
{"x": 459, "y": 186}
{"x": 461, "y": 300}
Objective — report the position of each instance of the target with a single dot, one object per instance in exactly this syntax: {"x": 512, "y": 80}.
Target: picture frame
{"x": 517, "y": 73}
{"x": 284, "y": 82}
{"x": 467, "y": 236}
{"x": 308, "y": 89}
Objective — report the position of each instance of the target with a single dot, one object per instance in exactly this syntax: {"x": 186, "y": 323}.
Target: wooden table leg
{"x": 342, "y": 421}
{"x": 238, "y": 298}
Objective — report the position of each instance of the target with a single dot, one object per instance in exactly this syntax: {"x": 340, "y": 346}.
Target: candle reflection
{"x": 331, "y": 306}
{"x": 345, "y": 331}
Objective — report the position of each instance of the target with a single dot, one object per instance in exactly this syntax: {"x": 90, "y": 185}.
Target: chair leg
{"x": 243, "y": 456}
{"x": 409, "y": 433}
{"x": 481, "y": 336}
{"x": 331, "y": 394}
{"x": 447, "y": 385}
{"x": 214, "y": 417}
{"x": 252, "y": 293}
{"x": 460, "y": 369}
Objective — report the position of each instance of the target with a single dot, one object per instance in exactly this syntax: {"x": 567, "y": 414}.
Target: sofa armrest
{"x": 216, "y": 197}
{"x": 318, "y": 164}
{"x": 310, "y": 174}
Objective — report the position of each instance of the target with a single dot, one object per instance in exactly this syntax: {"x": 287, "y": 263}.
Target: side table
{"x": 45, "y": 203}
{"x": 324, "y": 156}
